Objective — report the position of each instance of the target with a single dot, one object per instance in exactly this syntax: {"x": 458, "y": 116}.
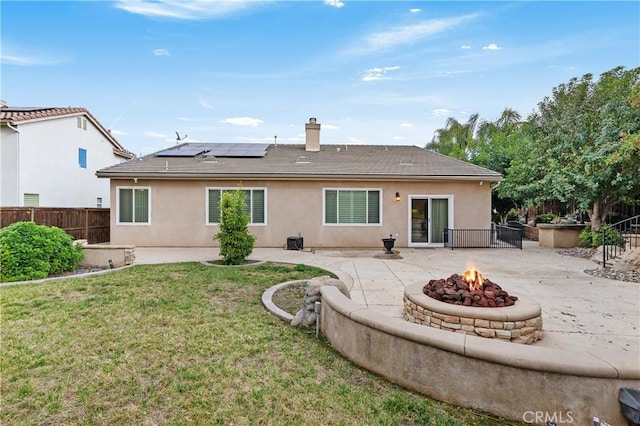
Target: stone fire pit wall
{"x": 520, "y": 323}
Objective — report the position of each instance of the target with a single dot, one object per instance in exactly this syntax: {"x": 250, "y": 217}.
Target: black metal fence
{"x": 619, "y": 237}
{"x": 497, "y": 237}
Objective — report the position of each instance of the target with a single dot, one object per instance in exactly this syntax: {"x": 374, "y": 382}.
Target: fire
{"x": 474, "y": 278}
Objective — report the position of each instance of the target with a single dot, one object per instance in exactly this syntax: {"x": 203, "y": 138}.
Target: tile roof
{"x": 294, "y": 162}
{"x": 23, "y": 115}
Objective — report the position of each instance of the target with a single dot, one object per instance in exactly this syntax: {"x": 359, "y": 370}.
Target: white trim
{"x": 233, "y": 188}
{"x": 148, "y": 222}
{"x": 429, "y": 197}
{"x": 324, "y": 206}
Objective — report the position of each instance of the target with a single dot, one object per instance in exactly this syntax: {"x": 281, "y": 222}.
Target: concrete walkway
{"x": 579, "y": 311}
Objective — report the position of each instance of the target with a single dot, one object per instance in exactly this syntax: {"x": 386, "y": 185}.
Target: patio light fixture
{"x": 397, "y": 196}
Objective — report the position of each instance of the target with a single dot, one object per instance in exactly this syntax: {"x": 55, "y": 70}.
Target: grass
{"x": 185, "y": 344}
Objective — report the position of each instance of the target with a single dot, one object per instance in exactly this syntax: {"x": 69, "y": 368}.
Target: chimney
{"x": 3, "y": 104}
{"x": 312, "y": 133}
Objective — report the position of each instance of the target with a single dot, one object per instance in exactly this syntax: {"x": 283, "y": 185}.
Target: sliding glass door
{"x": 429, "y": 217}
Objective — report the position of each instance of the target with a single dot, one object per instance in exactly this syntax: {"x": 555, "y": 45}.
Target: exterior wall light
{"x": 397, "y": 196}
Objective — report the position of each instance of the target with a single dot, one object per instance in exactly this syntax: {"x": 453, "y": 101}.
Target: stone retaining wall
{"x": 490, "y": 375}
{"x": 524, "y": 331}
{"x": 100, "y": 254}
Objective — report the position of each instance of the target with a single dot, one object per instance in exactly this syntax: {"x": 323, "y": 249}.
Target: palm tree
{"x": 455, "y": 139}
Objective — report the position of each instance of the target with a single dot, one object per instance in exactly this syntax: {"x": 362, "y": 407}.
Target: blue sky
{"x": 382, "y": 72}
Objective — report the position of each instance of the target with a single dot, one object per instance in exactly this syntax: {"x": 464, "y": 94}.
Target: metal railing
{"x": 619, "y": 237}
{"x": 497, "y": 237}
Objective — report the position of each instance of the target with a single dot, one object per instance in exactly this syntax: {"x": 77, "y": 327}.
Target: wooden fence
{"x": 91, "y": 224}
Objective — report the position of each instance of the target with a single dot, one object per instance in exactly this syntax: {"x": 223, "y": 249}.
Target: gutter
{"x": 269, "y": 176}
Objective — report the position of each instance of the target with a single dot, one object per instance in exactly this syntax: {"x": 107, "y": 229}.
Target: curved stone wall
{"x": 512, "y": 381}
{"x": 520, "y": 323}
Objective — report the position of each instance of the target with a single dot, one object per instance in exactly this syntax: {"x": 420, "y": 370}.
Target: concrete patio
{"x": 579, "y": 311}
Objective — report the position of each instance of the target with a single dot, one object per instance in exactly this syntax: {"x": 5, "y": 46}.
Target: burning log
{"x": 469, "y": 289}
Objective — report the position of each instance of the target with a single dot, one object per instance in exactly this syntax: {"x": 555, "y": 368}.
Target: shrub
{"x": 236, "y": 243}
{"x": 589, "y": 238}
{"x": 545, "y": 218}
{"x": 30, "y": 252}
{"x": 511, "y": 216}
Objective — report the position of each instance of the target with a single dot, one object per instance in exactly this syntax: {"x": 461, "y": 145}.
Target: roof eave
{"x": 281, "y": 176}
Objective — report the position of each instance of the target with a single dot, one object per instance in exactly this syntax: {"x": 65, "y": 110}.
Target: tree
{"x": 582, "y": 151}
{"x": 236, "y": 243}
{"x": 455, "y": 139}
{"x": 489, "y": 144}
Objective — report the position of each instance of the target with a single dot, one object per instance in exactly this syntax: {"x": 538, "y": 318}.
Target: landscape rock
{"x": 306, "y": 316}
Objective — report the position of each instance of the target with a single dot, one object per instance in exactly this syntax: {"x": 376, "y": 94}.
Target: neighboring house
{"x": 49, "y": 157}
{"x": 330, "y": 195}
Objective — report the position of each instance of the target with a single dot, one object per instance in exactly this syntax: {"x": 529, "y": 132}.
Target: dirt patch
{"x": 289, "y": 298}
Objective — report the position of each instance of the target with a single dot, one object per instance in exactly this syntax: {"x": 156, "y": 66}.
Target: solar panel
{"x": 238, "y": 149}
{"x": 216, "y": 150}
{"x": 186, "y": 150}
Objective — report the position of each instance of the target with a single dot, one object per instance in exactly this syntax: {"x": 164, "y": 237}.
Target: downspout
{"x": 496, "y": 185}
{"x": 15, "y": 129}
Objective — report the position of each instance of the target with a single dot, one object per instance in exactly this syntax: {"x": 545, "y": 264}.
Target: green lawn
{"x": 185, "y": 344}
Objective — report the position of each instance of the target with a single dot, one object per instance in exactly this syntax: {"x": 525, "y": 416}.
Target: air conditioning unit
{"x": 294, "y": 243}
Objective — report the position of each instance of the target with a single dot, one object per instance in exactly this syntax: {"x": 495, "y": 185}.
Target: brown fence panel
{"x": 9, "y": 215}
{"x": 91, "y": 224}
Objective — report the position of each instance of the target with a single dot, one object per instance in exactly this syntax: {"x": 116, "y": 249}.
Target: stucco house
{"x": 327, "y": 195}
{"x": 49, "y": 157}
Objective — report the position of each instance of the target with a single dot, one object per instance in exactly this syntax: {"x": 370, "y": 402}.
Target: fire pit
{"x": 474, "y": 305}
{"x": 469, "y": 289}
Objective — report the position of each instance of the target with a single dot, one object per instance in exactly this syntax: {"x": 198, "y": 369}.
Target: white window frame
{"x": 118, "y": 222}
{"x": 231, "y": 188}
{"x": 324, "y": 206}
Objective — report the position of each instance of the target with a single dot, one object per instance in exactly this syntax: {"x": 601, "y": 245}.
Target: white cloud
{"x": 153, "y": 134}
{"x": 465, "y": 46}
{"x": 407, "y": 125}
{"x": 243, "y": 121}
{"x": 411, "y": 33}
{"x": 491, "y": 46}
{"x": 441, "y": 111}
{"x": 415, "y": 10}
{"x": 205, "y": 104}
{"x": 398, "y": 138}
{"x": 330, "y": 127}
{"x": 161, "y": 52}
{"x": 185, "y": 9}
{"x": 11, "y": 54}
{"x": 117, "y": 132}
{"x": 356, "y": 141}
{"x": 334, "y": 3}
{"x": 374, "y": 74}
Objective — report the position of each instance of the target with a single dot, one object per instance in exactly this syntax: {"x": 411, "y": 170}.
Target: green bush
{"x": 30, "y": 252}
{"x": 512, "y": 216}
{"x": 236, "y": 243}
{"x": 589, "y": 238}
{"x": 545, "y": 218}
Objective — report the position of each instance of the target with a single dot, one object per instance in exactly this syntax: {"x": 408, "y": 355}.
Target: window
{"x": 352, "y": 206}
{"x": 82, "y": 157}
{"x": 134, "y": 205}
{"x": 31, "y": 200}
{"x": 254, "y": 199}
{"x": 82, "y": 123}
{"x": 99, "y": 202}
